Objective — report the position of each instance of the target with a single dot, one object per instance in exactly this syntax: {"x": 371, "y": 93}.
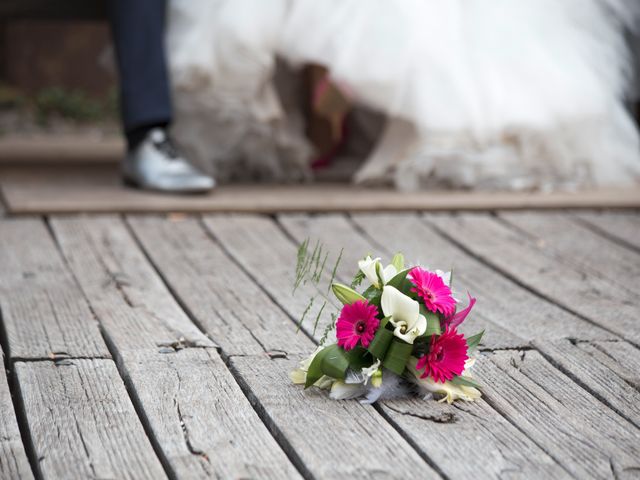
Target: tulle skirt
{"x": 500, "y": 94}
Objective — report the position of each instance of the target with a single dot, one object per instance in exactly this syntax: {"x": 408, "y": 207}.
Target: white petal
{"x": 389, "y": 272}
{"x": 344, "y": 391}
{"x": 410, "y": 335}
{"x": 368, "y": 267}
{"x": 421, "y": 325}
{"x": 445, "y": 276}
{"x": 396, "y": 304}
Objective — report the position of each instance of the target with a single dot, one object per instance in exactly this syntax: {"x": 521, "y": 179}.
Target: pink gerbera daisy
{"x": 434, "y": 292}
{"x": 358, "y": 322}
{"x": 446, "y": 357}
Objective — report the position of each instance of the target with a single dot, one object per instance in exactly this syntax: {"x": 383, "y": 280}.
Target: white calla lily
{"x": 369, "y": 266}
{"x": 403, "y": 313}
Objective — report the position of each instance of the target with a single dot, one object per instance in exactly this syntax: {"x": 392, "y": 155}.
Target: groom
{"x": 151, "y": 161}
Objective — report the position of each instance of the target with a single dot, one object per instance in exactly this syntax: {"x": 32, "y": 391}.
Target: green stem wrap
{"x": 397, "y": 355}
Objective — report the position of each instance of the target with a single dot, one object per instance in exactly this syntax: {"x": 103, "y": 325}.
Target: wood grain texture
{"x": 471, "y": 440}
{"x": 623, "y": 226}
{"x": 268, "y": 255}
{"x": 14, "y": 463}
{"x": 201, "y": 419}
{"x": 196, "y": 412}
{"x": 135, "y": 309}
{"x": 596, "y": 376}
{"x": 579, "y": 432}
{"x": 620, "y": 356}
{"x": 82, "y": 422}
{"x": 575, "y": 243}
{"x": 95, "y": 189}
{"x": 334, "y": 439}
{"x": 263, "y": 354}
{"x": 519, "y": 316}
{"x": 233, "y": 310}
{"x": 43, "y": 311}
{"x": 551, "y": 276}
{"x": 336, "y": 234}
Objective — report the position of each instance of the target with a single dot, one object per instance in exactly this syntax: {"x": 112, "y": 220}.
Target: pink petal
{"x": 459, "y": 317}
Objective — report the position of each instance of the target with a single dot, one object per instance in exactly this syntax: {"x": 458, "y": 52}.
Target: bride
{"x": 476, "y": 94}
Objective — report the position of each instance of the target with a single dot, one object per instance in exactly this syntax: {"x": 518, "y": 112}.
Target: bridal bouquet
{"x": 397, "y": 336}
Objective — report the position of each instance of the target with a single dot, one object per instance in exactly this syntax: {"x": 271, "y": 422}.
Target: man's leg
{"x": 138, "y": 28}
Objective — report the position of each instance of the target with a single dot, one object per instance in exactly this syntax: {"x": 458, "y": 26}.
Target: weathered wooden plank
{"x": 201, "y": 419}
{"x": 57, "y": 190}
{"x": 471, "y": 440}
{"x": 583, "y": 435}
{"x": 43, "y": 311}
{"x": 185, "y": 254}
{"x": 82, "y": 423}
{"x": 334, "y": 439}
{"x": 195, "y": 410}
{"x": 500, "y": 302}
{"x": 553, "y": 277}
{"x": 248, "y": 249}
{"x": 269, "y": 257}
{"x": 592, "y": 253}
{"x": 13, "y": 458}
{"x": 232, "y": 309}
{"x": 595, "y": 376}
{"x": 134, "y": 307}
{"x": 620, "y": 356}
{"x": 623, "y": 226}
{"x": 336, "y": 234}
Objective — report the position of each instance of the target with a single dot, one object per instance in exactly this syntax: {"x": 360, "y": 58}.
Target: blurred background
{"x": 59, "y": 97}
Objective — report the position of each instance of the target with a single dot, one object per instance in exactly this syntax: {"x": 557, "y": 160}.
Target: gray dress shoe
{"x": 155, "y": 165}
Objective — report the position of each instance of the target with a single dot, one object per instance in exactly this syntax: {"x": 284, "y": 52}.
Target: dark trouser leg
{"x": 138, "y": 28}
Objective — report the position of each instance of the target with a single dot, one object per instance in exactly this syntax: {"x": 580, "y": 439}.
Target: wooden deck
{"x": 158, "y": 346}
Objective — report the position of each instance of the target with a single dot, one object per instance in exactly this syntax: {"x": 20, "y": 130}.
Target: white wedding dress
{"x": 479, "y": 94}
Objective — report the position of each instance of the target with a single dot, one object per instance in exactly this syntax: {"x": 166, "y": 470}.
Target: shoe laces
{"x": 166, "y": 146}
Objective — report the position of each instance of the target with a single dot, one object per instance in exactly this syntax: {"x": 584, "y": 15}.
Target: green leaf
{"x": 314, "y": 372}
{"x": 398, "y": 261}
{"x": 330, "y": 361}
{"x": 373, "y": 295}
{"x": 335, "y": 362}
{"x": 397, "y": 356}
{"x": 381, "y": 341}
{"x": 433, "y": 322}
{"x": 473, "y": 341}
{"x": 357, "y": 279}
{"x": 358, "y": 358}
{"x": 464, "y": 381}
{"x": 399, "y": 278}
{"x": 345, "y": 294}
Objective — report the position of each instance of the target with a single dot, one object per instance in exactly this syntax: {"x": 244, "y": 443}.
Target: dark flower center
{"x": 361, "y": 326}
